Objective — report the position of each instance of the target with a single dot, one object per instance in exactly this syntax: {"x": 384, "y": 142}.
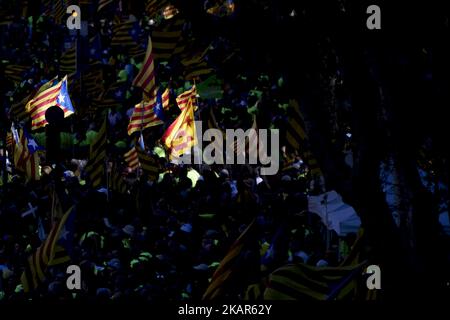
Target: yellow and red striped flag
{"x": 181, "y": 135}
{"x": 184, "y": 98}
{"x": 26, "y": 158}
{"x": 145, "y": 79}
{"x": 46, "y": 97}
{"x": 167, "y": 39}
{"x": 44, "y": 256}
{"x": 227, "y": 268}
{"x": 131, "y": 158}
{"x": 149, "y": 164}
{"x": 149, "y": 114}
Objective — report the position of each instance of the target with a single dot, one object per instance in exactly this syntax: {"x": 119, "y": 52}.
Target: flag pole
{"x": 325, "y": 197}
{"x": 53, "y": 204}
{"x": 4, "y": 165}
{"x": 200, "y": 168}
{"x": 107, "y": 179}
{"x": 139, "y": 172}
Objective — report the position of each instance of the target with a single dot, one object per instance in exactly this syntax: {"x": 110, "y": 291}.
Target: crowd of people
{"x": 162, "y": 239}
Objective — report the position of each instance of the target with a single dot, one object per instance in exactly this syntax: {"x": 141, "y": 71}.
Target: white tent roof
{"x": 342, "y": 218}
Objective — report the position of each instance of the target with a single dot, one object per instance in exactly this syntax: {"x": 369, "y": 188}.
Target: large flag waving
{"x": 48, "y": 252}
{"x": 181, "y": 135}
{"x": 230, "y": 264}
{"x": 50, "y": 94}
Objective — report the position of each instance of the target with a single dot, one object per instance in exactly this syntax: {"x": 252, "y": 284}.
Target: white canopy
{"x": 342, "y": 218}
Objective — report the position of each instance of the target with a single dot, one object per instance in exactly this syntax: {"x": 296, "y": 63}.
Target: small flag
{"x": 117, "y": 182}
{"x": 63, "y": 99}
{"x": 148, "y": 164}
{"x": 186, "y": 97}
{"x": 145, "y": 79}
{"x": 180, "y": 137}
{"x": 147, "y": 114}
{"x": 26, "y": 158}
{"x": 131, "y": 158}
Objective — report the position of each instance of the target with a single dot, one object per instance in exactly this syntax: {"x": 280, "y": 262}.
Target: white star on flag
{"x": 32, "y": 144}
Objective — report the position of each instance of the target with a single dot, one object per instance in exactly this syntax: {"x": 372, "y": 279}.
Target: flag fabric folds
{"x": 145, "y": 79}
{"x": 26, "y": 157}
{"x": 125, "y": 34}
{"x": 68, "y": 61}
{"x": 15, "y": 72}
{"x": 148, "y": 164}
{"x": 295, "y": 134}
{"x": 116, "y": 181}
{"x": 167, "y": 39}
{"x": 181, "y": 136}
{"x": 63, "y": 99}
{"x": 18, "y": 111}
{"x": 196, "y": 66}
{"x": 212, "y": 124}
{"x": 59, "y": 10}
{"x": 149, "y": 114}
{"x": 229, "y": 264}
{"x": 95, "y": 168}
{"x": 9, "y": 140}
{"x": 103, "y": 4}
{"x": 93, "y": 83}
{"x": 297, "y": 138}
{"x": 152, "y": 7}
{"x": 48, "y": 95}
{"x": 131, "y": 158}
{"x": 50, "y": 252}
{"x": 304, "y": 282}
{"x": 186, "y": 97}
